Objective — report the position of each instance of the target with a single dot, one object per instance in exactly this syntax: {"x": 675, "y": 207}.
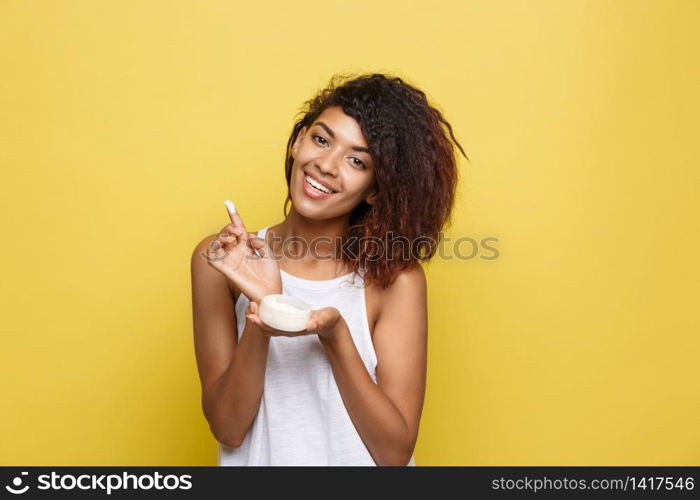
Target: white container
{"x": 284, "y": 313}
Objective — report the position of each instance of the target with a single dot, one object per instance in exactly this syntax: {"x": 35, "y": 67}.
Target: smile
{"x": 316, "y": 186}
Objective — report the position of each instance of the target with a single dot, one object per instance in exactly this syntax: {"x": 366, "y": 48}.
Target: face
{"x": 332, "y": 151}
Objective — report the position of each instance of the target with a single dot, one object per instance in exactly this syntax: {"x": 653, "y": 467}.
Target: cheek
{"x": 359, "y": 184}
{"x": 361, "y": 181}
{"x": 297, "y": 171}
{"x": 304, "y": 154}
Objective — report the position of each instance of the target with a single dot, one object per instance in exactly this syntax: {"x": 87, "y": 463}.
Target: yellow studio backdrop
{"x": 125, "y": 124}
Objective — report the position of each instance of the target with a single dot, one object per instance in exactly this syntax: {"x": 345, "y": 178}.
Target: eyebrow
{"x": 330, "y": 132}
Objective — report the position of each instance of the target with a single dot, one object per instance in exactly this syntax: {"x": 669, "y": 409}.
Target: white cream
{"x": 231, "y": 207}
{"x": 284, "y": 312}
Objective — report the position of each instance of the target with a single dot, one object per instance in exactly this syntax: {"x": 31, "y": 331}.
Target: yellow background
{"x": 125, "y": 124}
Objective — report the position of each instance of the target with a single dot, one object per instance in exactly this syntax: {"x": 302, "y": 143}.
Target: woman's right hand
{"x": 232, "y": 253}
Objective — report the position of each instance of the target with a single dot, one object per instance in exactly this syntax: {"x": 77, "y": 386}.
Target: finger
{"x": 206, "y": 257}
{"x": 228, "y": 241}
{"x": 250, "y": 309}
{"x": 259, "y": 244}
{"x": 283, "y": 333}
{"x": 216, "y": 250}
{"x": 211, "y": 259}
{"x": 261, "y": 327}
{"x": 254, "y": 319}
{"x": 258, "y": 322}
{"x": 231, "y": 228}
{"x": 232, "y": 231}
{"x": 217, "y": 247}
{"x": 236, "y": 220}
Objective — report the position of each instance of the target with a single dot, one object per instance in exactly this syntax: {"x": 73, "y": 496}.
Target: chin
{"x": 310, "y": 212}
{"x": 308, "y": 209}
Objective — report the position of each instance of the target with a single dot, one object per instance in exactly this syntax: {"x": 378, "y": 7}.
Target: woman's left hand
{"x": 322, "y": 322}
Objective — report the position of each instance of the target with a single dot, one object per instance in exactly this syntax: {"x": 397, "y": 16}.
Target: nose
{"x": 328, "y": 163}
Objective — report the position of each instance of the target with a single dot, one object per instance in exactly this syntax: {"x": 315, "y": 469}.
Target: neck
{"x": 306, "y": 231}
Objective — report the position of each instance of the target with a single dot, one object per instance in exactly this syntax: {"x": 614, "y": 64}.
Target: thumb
{"x": 259, "y": 244}
{"x": 317, "y": 319}
{"x": 313, "y": 324}
{"x": 325, "y": 316}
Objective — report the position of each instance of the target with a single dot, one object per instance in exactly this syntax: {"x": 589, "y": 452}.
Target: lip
{"x": 321, "y": 182}
{"x": 312, "y": 192}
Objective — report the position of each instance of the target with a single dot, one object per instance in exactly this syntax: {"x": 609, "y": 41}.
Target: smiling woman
{"x": 393, "y": 139}
{"x": 369, "y": 157}
{"x": 333, "y": 163}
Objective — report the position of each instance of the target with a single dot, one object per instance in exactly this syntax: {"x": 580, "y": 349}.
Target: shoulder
{"x": 408, "y": 290}
{"x": 410, "y": 279}
{"x": 203, "y": 244}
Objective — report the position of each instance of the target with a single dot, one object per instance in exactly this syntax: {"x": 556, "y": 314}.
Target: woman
{"x": 368, "y": 164}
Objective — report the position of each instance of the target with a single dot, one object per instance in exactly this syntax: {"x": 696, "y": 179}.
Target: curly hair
{"x": 415, "y": 168}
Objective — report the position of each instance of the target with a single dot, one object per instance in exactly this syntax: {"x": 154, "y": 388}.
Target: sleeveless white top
{"x": 302, "y": 419}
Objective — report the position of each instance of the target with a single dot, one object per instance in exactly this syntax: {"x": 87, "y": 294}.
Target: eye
{"x": 316, "y": 136}
{"x": 361, "y": 163}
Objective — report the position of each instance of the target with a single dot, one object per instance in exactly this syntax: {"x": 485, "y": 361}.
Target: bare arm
{"x": 387, "y": 414}
{"x": 232, "y": 374}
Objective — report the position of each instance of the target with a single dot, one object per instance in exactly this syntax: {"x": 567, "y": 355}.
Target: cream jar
{"x": 284, "y": 313}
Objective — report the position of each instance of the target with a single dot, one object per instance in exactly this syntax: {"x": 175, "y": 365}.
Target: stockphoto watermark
{"x": 98, "y": 483}
{"x": 373, "y": 248}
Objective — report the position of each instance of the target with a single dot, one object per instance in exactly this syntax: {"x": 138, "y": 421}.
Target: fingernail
{"x": 231, "y": 207}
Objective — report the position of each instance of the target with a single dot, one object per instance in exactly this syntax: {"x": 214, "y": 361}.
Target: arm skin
{"x": 387, "y": 414}
{"x": 232, "y": 373}
{"x": 232, "y": 401}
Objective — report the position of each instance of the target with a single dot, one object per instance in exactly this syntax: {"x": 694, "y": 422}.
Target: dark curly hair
{"x": 415, "y": 168}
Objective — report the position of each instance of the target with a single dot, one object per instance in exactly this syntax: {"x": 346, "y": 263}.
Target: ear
{"x": 297, "y": 141}
{"x": 372, "y": 197}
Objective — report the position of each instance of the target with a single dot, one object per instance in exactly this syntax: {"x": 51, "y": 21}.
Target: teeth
{"x": 318, "y": 186}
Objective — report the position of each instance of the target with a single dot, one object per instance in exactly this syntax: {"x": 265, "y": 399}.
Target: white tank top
{"x": 302, "y": 419}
